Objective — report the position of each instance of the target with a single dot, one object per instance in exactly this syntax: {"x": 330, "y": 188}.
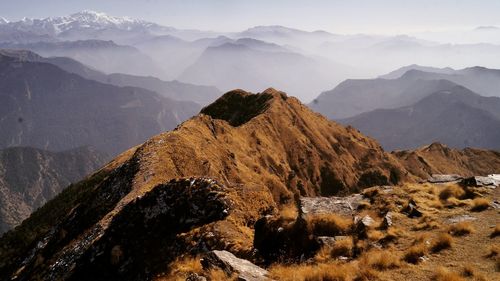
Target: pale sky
{"x": 348, "y": 16}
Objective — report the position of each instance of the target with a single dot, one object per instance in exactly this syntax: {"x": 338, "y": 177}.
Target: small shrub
{"x": 443, "y": 241}
{"x": 329, "y": 224}
{"x": 480, "y": 204}
{"x": 469, "y": 271}
{"x": 289, "y": 212}
{"x": 496, "y": 231}
{"x": 494, "y": 251}
{"x": 426, "y": 223}
{"x": 461, "y": 228}
{"x": 414, "y": 253}
{"x": 380, "y": 260}
{"x": 452, "y": 191}
{"x": 375, "y": 235}
{"x": 443, "y": 274}
{"x": 342, "y": 248}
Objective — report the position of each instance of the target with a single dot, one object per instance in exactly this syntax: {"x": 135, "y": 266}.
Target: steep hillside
{"x": 45, "y": 107}
{"x": 209, "y": 184}
{"x": 456, "y": 117}
{"x": 30, "y": 177}
{"x": 262, "y": 149}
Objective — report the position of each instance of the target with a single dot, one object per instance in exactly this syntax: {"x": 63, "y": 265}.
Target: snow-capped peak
{"x": 88, "y": 16}
{"x": 3, "y": 20}
{"x": 82, "y": 20}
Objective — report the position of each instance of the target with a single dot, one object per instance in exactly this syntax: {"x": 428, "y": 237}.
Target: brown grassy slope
{"x": 274, "y": 148}
{"x": 264, "y": 148}
{"x": 437, "y": 158}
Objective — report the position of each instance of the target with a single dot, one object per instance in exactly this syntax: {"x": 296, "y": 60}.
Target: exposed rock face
{"x": 230, "y": 264}
{"x": 481, "y": 181}
{"x": 331, "y": 205}
{"x": 30, "y": 177}
{"x": 439, "y": 178}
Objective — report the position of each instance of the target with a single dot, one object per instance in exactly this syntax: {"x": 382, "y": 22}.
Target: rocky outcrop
{"x": 439, "y": 178}
{"x": 230, "y": 264}
{"x": 331, "y": 205}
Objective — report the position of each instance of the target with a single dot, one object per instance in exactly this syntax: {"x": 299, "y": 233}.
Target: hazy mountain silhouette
{"x": 355, "y": 96}
{"x": 170, "y": 89}
{"x": 233, "y": 65}
{"x": 457, "y": 117}
{"x": 43, "y": 106}
{"x": 105, "y": 56}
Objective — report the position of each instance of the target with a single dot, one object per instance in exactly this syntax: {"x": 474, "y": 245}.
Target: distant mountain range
{"x": 30, "y": 177}
{"x": 307, "y": 62}
{"x": 457, "y": 117}
{"x": 202, "y": 95}
{"x": 255, "y": 65}
{"x": 412, "y": 106}
{"x": 44, "y": 106}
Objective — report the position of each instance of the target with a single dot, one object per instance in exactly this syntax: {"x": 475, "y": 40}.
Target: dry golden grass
{"x": 494, "y": 251}
{"x": 480, "y": 204}
{"x": 427, "y": 222}
{"x": 394, "y": 233}
{"x": 414, "y": 253}
{"x": 375, "y": 235}
{"x": 289, "y": 212}
{"x": 380, "y": 260}
{"x": 454, "y": 202}
{"x": 342, "y": 248}
{"x": 443, "y": 274}
{"x": 329, "y": 224}
{"x": 324, "y": 271}
{"x": 185, "y": 265}
{"x": 461, "y": 228}
{"x": 218, "y": 274}
{"x": 469, "y": 271}
{"x": 449, "y": 191}
{"x": 441, "y": 242}
{"x": 496, "y": 231}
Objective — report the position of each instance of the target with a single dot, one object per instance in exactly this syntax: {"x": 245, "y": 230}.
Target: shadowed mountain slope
{"x": 30, "y": 177}
{"x": 45, "y": 107}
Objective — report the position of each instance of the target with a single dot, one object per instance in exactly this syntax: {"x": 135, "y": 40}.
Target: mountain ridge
{"x": 217, "y": 173}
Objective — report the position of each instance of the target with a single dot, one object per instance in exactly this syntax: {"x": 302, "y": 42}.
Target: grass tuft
{"x": 443, "y": 274}
{"x": 480, "y": 204}
{"x": 442, "y": 242}
{"x": 329, "y": 224}
{"x": 496, "y": 231}
{"x": 414, "y": 253}
{"x": 461, "y": 228}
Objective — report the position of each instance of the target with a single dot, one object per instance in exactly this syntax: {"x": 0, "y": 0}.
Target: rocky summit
{"x": 221, "y": 180}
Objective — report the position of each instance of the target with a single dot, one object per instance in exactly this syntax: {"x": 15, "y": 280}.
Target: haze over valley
{"x": 264, "y": 140}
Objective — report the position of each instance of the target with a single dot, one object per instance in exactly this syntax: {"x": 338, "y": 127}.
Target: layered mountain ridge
{"x": 88, "y": 113}
{"x": 242, "y": 158}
